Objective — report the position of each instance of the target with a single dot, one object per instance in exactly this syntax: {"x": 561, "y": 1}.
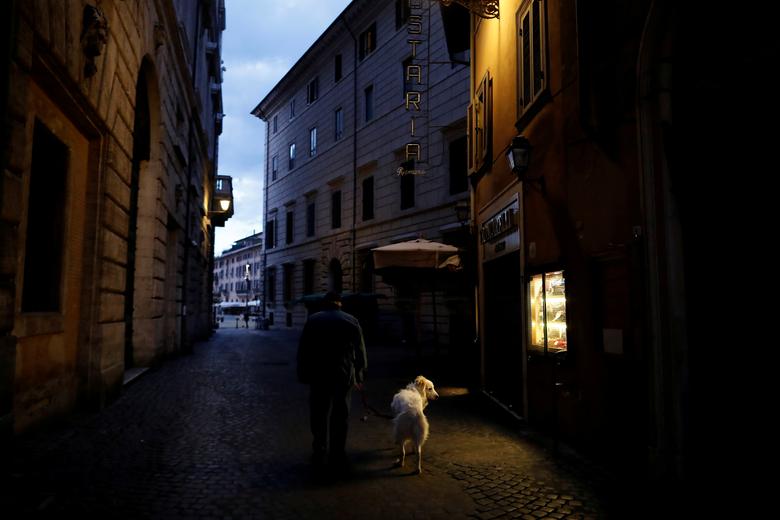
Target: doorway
{"x": 140, "y": 160}
{"x": 503, "y": 331}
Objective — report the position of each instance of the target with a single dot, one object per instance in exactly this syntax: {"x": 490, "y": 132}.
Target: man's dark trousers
{"x": 329, "y": 406}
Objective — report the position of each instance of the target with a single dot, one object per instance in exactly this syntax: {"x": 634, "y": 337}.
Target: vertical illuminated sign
{"x": 413, "y": 76}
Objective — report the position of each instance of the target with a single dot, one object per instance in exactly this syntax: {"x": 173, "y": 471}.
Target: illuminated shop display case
{"x": 548, "y": 312}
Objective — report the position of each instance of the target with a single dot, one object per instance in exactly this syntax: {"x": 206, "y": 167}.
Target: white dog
{"x": 410, "y": 423}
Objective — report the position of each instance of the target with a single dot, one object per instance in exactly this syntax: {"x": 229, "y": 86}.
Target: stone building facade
{"x": 376, "y": 95}
{"x": 111, "y": 114}
{"x": 244, "y": 260}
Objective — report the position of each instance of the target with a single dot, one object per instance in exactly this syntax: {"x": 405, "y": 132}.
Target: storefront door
{"x": 503, "y": 331}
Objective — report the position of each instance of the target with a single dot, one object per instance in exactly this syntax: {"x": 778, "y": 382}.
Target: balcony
{"x": 222, "y": 201}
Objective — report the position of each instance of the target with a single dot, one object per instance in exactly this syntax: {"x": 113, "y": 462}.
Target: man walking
{"x": 331, "y": 359}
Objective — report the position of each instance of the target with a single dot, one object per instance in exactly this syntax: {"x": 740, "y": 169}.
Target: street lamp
{"x": 246, "y": 306}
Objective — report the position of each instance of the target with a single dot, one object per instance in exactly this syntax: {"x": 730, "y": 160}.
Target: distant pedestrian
{"x": 331, "y": 359}
{"x": 246, "y": 319}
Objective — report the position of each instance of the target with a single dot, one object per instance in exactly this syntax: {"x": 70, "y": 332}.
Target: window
{"x": 367, "y": 273}
{"x": 288, "y": 272}
{"x": 46, "y": 222}
{"x": 270, "y": 234}
{"x": 401, "y": 13}
{"x": 270, "y": 280}
{"x": 368, "y": 97}
{"x": 292, "y": 109}
{"x": 367, "y": 42}
{"x": 292, "y": 156}
{"x": 479, "y": 115}
{"x": 337, "y": 73}
{"x": 412, "y": 75}
{"x": 335, "y": 209}
{"x": 276, "y": 123}
{"x": 458, "y": 171}
{"x": 407, "y": 191}
{"x": 368, "y": 198}
{"x": 339, "y": 124}
{"x": 274, "y": 167}
{"x": 310, "y": 219}
{"x": 313, "y": 91}
{"x": 548, "y": 312}
{"x": 531, "y": 54}
{"x": 313, "y": 142}
{"x": 308, "y": 275}
{"x": 290, "y": 227}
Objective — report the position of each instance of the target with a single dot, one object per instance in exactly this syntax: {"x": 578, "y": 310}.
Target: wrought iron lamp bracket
{"x": 481, "y": 8}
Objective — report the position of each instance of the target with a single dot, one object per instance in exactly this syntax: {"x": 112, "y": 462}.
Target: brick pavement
{"x": 223, "y": 433}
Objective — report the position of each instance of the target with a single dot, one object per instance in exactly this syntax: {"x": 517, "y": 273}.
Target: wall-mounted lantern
{"x": 519, "y": 155}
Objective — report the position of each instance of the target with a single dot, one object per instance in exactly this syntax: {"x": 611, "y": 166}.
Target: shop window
{"x": 548, "y": 313}
{"x": 45, "y": 224}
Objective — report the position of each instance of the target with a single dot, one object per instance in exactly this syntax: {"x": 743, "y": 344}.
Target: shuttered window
{"x": 531, "y": 54}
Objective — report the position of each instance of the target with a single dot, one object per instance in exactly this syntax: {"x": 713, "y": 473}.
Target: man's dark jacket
{"x": 331, "y": 350}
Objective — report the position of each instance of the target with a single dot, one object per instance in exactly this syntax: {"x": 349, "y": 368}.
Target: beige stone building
{"x": 235, "y": 267}
{"x": 111, "y": 113}
{"x": 379, "y": 93}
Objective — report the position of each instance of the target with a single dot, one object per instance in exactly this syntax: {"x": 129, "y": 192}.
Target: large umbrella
{"x": 421, "y": 256}
{"x": 413, "y": 253}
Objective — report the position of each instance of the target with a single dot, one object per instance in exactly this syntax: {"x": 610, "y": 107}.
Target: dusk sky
{"x": 262, "y": 40}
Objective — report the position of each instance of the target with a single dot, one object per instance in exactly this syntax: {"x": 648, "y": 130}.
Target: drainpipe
{"x": 265, "y": 219}
{"x": 354, "y": 150}
{"x": 185, "y": 344}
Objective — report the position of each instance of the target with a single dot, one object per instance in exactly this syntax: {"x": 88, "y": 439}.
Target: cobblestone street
{"x": 223, "y": 433}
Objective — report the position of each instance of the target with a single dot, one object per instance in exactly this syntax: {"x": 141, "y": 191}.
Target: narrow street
{"x": 223, "y": 433}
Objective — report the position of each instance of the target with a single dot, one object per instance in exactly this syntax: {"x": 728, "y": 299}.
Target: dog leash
{"x": 370, "y": 409}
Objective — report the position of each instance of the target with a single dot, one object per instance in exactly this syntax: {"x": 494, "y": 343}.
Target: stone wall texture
{"x": 132, "y": 89}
